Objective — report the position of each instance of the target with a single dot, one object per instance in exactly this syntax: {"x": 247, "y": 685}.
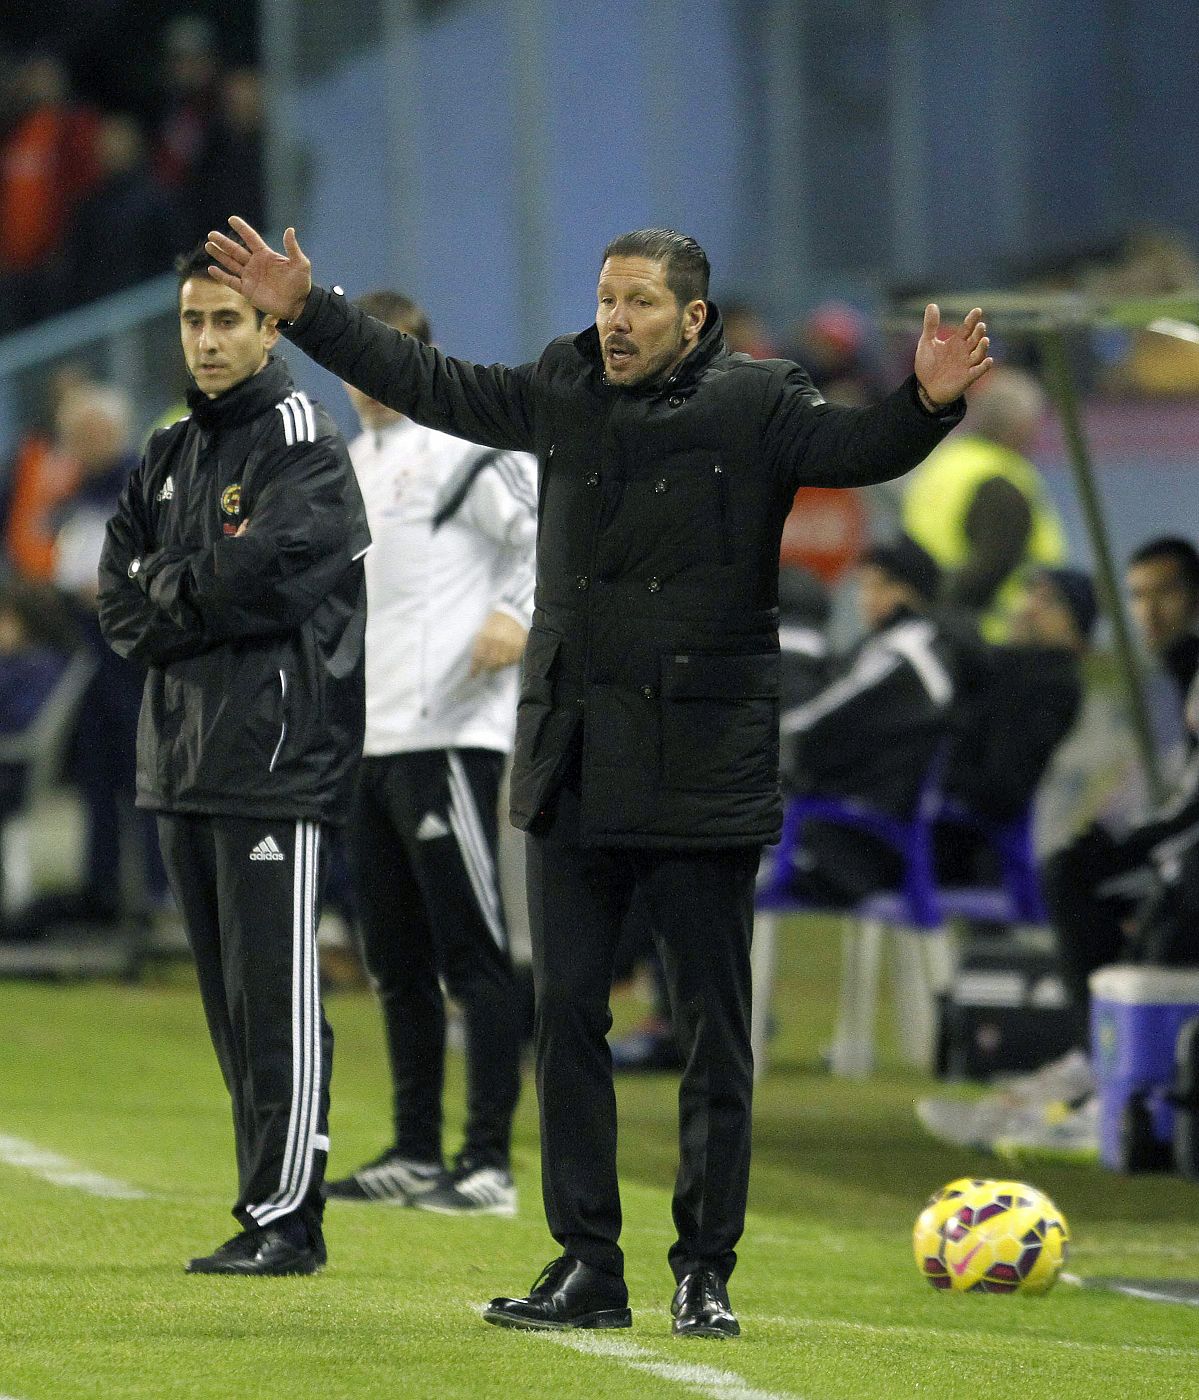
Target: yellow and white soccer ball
{"x": 979, "y": 1236}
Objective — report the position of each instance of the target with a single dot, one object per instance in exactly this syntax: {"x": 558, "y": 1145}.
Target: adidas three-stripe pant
{"x": 250, "y": 890}
{"x": 422, "y": 843}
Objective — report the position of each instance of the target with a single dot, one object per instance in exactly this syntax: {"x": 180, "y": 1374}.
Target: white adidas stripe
{"x": 299, "y": 420}
{"x": 302, "y": 1138}
{"x": 472, "y": 841}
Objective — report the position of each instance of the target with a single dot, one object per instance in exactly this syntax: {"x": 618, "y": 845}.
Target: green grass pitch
{"x": 122, "y": 1081}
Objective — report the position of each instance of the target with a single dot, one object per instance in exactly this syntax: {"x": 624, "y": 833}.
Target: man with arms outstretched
{"x": 647, "y": 733}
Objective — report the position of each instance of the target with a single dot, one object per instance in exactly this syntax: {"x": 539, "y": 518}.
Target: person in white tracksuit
{"x": 450, "y": 597}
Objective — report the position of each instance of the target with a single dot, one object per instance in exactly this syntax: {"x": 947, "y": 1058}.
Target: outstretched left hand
{"x": 947, "y": 363}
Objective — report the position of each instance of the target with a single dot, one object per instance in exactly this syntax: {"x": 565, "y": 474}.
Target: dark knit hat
{"x": 907, "y": 562}
{"x": 1077, "y": 594}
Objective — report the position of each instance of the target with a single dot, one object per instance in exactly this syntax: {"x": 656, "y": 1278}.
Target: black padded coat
{"x": 654, "y": 642}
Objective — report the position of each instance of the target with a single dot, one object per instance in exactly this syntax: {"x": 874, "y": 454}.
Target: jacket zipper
{"x": 283, "y": 724}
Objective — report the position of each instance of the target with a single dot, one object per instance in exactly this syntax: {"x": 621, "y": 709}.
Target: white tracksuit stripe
{"x": 297, "y": 1037}
{"x": 314, "y": 1011}
{"x": 310, "y": 418}
{"x": 289, "y": 432}
{"x": 296, "y": 1172}
{"x": 468, "y": 830}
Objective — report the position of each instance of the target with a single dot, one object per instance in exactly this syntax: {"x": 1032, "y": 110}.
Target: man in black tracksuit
{"x": 233, "y": 570}
{"x": 646, "y": 757}
{"x": 875, "y": 728}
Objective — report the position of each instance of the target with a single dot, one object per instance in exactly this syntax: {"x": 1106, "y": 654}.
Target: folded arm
{"x": 266, "y": 580}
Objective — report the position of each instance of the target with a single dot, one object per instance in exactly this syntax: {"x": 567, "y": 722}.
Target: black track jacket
{"x": 254, "y": 701}
{"x": 660, "y": 511}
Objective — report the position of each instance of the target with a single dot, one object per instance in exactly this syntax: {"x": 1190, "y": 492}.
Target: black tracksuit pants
{"x": 700, "y": 904}
{"x": 423, "y": 838}
{"x": 250, "y": 893}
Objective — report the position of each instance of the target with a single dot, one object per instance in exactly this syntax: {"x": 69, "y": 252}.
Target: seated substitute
{"x": 1016, "y": 703}
{"x": 874, "y": 729}
{"x": 450, "y": 592}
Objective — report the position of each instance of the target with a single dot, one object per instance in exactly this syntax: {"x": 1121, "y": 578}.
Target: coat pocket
{"x": 536, "y": 756}
{"x": 536, "y": 691}
{"x": 720, "y": 720}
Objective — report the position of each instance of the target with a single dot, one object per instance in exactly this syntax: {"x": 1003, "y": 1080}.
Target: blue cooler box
{"x": 1136, "y": 1013}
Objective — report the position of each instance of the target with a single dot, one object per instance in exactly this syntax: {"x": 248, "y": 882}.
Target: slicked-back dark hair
{"x": 196, "y": 264}
{"x": 395, "y": 309}
{"x": 686, "y": 263}
{"x": 1173, "y": 547}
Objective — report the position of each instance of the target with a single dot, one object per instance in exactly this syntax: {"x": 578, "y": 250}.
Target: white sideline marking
{"x": 707, "y": 1380}
{"x": 16, "y": 1152}
{"x": 876, "y": 1329}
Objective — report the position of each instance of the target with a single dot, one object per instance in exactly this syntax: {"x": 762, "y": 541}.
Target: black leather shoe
{"x": 701, "y": 1307}
{"x": 568, "y": 1293}
{"x": 265, "y": 1253}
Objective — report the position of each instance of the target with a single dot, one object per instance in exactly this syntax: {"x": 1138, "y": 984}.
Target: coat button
{"x": 676, "y": 401}
{"x": 653, "y": 585}
{"x": 648, "y": 691}
{"x": 581, "y": 582}
{"x": 593, "y": 478}
{"x": 660, "y": 485}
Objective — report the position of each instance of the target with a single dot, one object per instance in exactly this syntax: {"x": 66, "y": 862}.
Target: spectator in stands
{"x": 42, "y": 475}
{"x": 1017, "y": 702}
{"x": 872, "y": 732}
{"x": 980, "y": 508}
{"x": 127, "y": 228}
{"x": 833, "y": 343}
{"x": 95, "y": 429}
{"x": 744, "y": 330}
{"x": 190, "y": 99}
{"x": 229, "y": 167}
{"x": 1163, "y": 595}
{"x": 32, "y": 660}
{"x": 47, "y": 163}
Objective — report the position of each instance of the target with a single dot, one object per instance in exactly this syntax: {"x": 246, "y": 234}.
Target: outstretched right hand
{"x": 270, "y": 281}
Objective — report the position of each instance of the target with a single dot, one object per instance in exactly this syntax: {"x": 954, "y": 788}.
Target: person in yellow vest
{"x": 980, "y": 507}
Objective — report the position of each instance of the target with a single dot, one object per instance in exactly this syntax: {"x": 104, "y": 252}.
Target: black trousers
{"x": 423, "y": 837}
{"x": 1089, "y": 926}
{"x": 700, "y": 904}
{"x": 250, "y": 893}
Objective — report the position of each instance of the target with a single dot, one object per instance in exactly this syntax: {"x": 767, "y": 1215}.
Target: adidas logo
{"x": 267, "y": 849}
{"x": 168, "y": 490}
{"x": 431, "y": 827}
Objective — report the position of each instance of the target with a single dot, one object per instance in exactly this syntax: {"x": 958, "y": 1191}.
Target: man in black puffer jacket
{"x": 647, "y": 735}
{"x": 233, "y": 570}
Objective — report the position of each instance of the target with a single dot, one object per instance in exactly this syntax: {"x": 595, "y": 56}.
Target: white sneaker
{"x": 961, "y": 1123}
{"x": 1053, "y": 1130}
{"x": 390, "y": 1179}
{"x": 1066, "y": 1079}
{"x": 472, "y": 1191}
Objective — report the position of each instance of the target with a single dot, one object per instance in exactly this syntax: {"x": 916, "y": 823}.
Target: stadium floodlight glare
{"x": 1048, "y": 318}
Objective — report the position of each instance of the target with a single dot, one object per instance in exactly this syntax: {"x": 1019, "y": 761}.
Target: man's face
{"x": 1043, "y": 619}
{"x": 223, "y": 341}
{"x": 371, "y": 413}
{"x": 879, "y": 595}
{"x": 1162, "y": 605}
{"x": 643, "y": 331}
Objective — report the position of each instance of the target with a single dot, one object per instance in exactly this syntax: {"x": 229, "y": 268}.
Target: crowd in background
{"x": 96, "y": 198}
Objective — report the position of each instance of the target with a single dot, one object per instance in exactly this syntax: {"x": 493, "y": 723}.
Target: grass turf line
{"x": 123, "y": 1082}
